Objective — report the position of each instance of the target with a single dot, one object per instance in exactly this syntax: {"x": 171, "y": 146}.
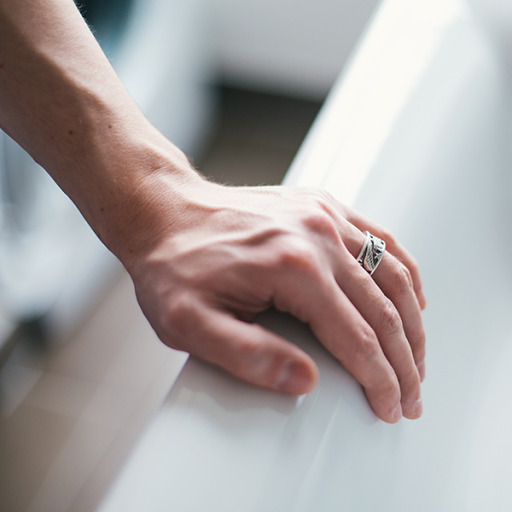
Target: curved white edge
{"x": 417, "y": 135}
{"x": 365, "y": 102}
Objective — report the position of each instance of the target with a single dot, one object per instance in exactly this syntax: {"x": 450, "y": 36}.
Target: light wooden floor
{"x": 69, "y": 414}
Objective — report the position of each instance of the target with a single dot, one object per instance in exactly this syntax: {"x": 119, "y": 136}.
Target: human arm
{"x": 206, "y": 258}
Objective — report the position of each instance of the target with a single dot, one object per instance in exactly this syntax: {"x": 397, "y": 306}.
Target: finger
{"x": 395, "y": 280}
{"x": 251, "y": 352}
{"x": 345, "y": 333}
{"x": 384, "y": 318}
{"x": 399, "y": 284}
{"x": 394, "y": 248}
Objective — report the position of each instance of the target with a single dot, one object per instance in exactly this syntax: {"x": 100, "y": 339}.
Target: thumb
{"x": 253, "y": 353}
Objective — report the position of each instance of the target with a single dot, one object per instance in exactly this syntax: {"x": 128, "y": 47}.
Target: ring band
{"x": 371, "y": 253}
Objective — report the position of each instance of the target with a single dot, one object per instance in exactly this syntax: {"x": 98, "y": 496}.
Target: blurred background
{"x": 236, "y": 85}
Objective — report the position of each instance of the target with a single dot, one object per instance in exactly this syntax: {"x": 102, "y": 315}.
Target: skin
{"x": 205, "y": 258}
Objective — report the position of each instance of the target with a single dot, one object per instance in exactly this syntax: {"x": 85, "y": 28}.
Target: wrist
{"x": 146, "y": 193}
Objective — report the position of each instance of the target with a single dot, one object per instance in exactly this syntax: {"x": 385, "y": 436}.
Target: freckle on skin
{"x": 71, "y": 132}
{"x": 1, "y": 65}
{"x": 102, "y": 210}
{"x": 110, "y": 127}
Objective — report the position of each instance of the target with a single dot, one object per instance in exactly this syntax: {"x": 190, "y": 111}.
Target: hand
{"x": 231, "y": 253}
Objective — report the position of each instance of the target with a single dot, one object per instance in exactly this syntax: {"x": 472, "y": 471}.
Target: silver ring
{"x": 372, "y": 252}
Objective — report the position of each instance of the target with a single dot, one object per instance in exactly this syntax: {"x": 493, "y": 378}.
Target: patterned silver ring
{"x": 372, "y": 252}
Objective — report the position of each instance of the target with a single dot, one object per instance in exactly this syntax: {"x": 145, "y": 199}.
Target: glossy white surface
{"x": 416, "y": 135}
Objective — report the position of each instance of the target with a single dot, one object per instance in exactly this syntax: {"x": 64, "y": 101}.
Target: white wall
{"x": 293, "y": 46}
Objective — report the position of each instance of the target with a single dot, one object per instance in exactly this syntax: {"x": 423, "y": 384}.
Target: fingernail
{"x": 422, "y": 370}
{"x": 418, "y": 408}
{"x": 397, "y": 412}
{"x": 295, "y": 377}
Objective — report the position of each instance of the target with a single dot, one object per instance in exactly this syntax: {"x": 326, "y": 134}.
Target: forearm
{"x": 61, "y": 100}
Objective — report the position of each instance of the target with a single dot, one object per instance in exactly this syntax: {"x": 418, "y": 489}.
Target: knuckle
{"x": 386, "y": 389}
{"x": 390, "y": 318}
{"x": 411, "y": 378}
{"x": 389, "y": 386}
{"x": 298, "y": 255}
{"x": 403, "y": 283}
{"x": 320, "y": 222}
{"x": 180, "y": 315}
{"x": 406, "y": 276}
{"x": 367, "y": 345}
